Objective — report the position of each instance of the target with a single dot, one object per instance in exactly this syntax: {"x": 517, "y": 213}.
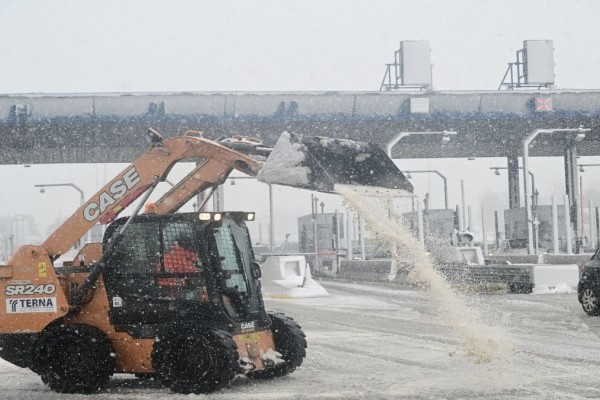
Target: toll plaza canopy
{"x": 110, "y": 127}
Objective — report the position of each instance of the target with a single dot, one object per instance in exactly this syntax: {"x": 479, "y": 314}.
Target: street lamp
{"x": 433, "y": 171}
{"x": 74, "y": 186}
{"x": 579, "y": 136}
{"x": 446, "y": 134}
{"x": 587, "y": 165}
{"x": 535, "y": 193}
{"x": 271, "y": 214}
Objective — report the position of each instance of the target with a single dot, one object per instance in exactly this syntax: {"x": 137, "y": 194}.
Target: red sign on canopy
{"x": 543, "y": 104}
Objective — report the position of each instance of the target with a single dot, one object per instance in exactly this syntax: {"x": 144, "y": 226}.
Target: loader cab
{"x": 190, "y": 267}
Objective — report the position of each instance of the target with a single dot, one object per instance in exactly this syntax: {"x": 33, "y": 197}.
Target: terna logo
{"x": 31, "y": 305}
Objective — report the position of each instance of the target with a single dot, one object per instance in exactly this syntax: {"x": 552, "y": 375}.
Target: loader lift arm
{"x": 324, "y": 163}
{"x": 204, "y": 176}
{"x": 207, "y": 174}
{"x": 148, "y": 169}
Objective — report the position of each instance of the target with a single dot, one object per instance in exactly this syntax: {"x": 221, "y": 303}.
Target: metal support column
{"x": 485, "y": 246}
{"x": 199, "y": 197}
{"x": 420, "y": 224}
{"x": 199, "y": 200}
{"x": 219, "y": 199}
{"x": 271, "y": 220}
{"x": 497, "y": 227}
{"x": 568, "y": 225}
{"x": 348, "y": 238}
{"x": 316, "y": 267}
{"x": 361, "y": 230}
{"x": 463, "y": 209}
{"x": 554, "y": 226}
{"x": 591, "y": 221}
{"x": 572, "y": 190}
{"x": 469, "y": 218}
{"x": 458, "y": 219}
{"x": 514, "y": 200}
{"x": 597, "y": 227}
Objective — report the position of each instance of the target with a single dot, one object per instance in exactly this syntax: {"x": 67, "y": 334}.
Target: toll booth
{"x": 515, "y": 225}
{"x": 437, "y": 223}
{"x": 330, "y": 234}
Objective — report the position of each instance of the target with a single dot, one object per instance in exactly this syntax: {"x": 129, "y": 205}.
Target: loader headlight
{"x": 217, "y": 217}
{"x": 204, "y": 216}
{"x": 250, "y": 217}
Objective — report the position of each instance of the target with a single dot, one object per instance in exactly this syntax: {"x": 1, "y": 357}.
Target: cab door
{"x": 131, "y": 276}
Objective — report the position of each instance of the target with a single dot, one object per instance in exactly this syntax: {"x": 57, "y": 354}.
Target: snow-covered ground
{"x": 383, "y": 342}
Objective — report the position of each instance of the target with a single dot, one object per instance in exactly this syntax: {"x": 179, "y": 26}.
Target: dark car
{"x": 588, "y": 289}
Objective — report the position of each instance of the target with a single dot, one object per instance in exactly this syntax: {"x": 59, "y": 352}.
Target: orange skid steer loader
{"x": 171, "y": 295}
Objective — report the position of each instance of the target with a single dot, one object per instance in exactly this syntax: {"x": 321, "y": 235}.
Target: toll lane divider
{"x": 516, "y": 278}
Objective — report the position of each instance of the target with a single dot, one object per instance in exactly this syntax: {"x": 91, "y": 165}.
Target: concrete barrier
{"x": 365, "y": 270}
{"x": 546, "y": 258}
{"x": 288, "y": 277}
{"x": 516, "y": 278}
{"x": 515, "y": 258}
{"x": 566, "y": 258}
{"x": 555, "y": 278}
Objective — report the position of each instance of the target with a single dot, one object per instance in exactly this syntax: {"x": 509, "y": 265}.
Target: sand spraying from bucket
{"x": 481, "y": 343}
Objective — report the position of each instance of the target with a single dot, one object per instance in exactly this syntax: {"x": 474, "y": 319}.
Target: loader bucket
{"x": 318, "y": 163}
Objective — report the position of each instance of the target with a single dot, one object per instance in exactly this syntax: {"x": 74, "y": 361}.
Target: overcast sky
{"x": 109, "y": 46}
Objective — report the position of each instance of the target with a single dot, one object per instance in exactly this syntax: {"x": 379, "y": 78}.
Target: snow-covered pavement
{"x": 372, "y": 342}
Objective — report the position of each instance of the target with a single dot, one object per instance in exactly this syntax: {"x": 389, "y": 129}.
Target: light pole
{"x": 580, "y": 134}
{"x": 434, "y": 171}
{"x": 74, "y": 186}
{"x": 446, "y": 134}
{"x": 534, "y": 194}
{"x": 581, "y": 166}
{"x": 42, "y": 187}
{"x": 271, "y": 213}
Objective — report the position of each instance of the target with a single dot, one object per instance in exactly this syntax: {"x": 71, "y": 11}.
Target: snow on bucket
{"x": 319, "y": 163}
{"x": 289, "y": 277}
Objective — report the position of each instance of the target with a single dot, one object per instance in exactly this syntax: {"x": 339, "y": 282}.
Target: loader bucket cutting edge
{"x": 319, "y": 163}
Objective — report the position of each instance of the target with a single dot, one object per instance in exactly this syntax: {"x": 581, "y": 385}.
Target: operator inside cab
{"x": 181, "y": 260}
{"x": 181, "y": 272}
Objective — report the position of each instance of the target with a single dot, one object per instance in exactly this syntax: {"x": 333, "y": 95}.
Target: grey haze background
{"x": 141, "y": 46}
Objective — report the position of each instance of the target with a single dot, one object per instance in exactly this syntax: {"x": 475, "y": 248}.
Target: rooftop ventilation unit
{"x": 534, "y": 66}
{"x": 411, "y": 68}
